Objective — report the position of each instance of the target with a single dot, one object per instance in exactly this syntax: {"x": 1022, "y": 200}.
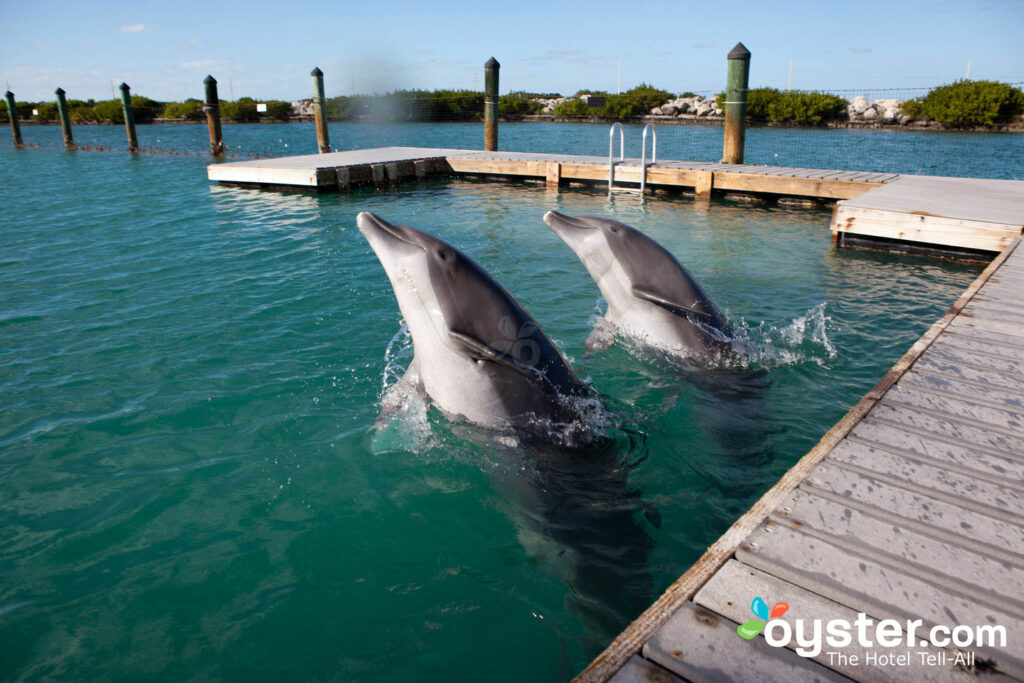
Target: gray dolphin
{"x": 650, "y": 296}
{"x": 476, "y": 352}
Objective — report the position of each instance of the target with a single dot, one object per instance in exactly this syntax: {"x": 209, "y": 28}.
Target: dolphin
{"x": 477, "y": 353}
{"x": 651, "y": 297}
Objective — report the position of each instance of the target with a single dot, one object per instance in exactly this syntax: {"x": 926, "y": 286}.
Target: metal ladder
{"x": 612, "y": 161}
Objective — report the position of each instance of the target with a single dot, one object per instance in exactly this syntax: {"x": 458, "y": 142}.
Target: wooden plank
{"x": 880, "y": 534}
{"x": 976, "y": 393}
{"x": 926, "y": 229}
{"x": 959, "y": 486}
{"x": 985, "y": 336}
{"x": 941, "y": 366}
{"x": 987, "y": 439}
{"x": 807, "y": 187}
{"x": 934, "y": 450}
{"x": 639, "y": 670}
{"x": 729, "y": 593}
{"x": 975, "y": 199}
{"x": 693, "y": 631}
{"x": 939, "y": 404}
{"x": 920, "y": 511}
{"x": 993, "y": 363}
{"x": 865, "y": 583}
{"x": 633, "y": 637}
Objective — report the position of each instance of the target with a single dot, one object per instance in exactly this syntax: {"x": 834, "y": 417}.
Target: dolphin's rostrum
{"x": 651, "y": 296}
{"x": 477, "y": 353}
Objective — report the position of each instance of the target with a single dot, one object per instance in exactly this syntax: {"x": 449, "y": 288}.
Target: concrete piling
{"x": 320, "y": 111}
{"x": 736, "y": 105}
{"x": 491, "y": 99}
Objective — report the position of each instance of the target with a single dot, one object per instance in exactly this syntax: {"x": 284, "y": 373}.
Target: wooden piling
{"x": 736, "y": 105}
{"x": 12, "y": 115}
{"x": 65, "y": 119}
{"x": 491, "y": 104}
{"x": 129, "y": 118}
{"x": 320, "y": 111}
{"x": 212, "y": 110}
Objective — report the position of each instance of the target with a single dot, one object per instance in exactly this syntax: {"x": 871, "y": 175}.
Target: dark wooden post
{"x": 212, "y": 109}
{"x": 320, "y": 111}
{"x": 65, "y": 119}
{"x": 736, "y": 105}
{"x": 12, "y": 114}
{"x": 129, "y": 118}
{"x": 491, "y": 99}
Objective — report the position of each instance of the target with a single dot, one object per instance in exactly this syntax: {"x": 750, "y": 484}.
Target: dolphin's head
{"x": 454, "y": 308}
{"x": 628, "y": 266}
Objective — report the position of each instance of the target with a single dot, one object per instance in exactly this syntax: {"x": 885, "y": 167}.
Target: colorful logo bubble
{"x": 760, "y": 609}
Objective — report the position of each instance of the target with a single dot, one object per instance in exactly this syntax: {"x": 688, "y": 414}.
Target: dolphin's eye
{"x": 442, "y": 254}
{"x": 613, "y": 228}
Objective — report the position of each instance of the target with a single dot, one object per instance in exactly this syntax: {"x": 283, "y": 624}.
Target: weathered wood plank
{"x": 731, "y": 589}
{"x": 693, "y": 630}
{"x": 932, "y": 516}
{"x": 958, "y": 486}
{"x": 980, "y": 348}
{"x": 932, "y": 449}
{"x": 887, "y": 539}
{"x": 866, "y": 584}
{"x": 923, "y": 227}
{"x": 639, "y": 670}
{"x": 969, "y": 391}
{"x": 942, "y": 366}
{"x": 955, "y": 431}
{"x": 985, "y": 336}
{"x": 933, "y": 403}
{"x": 808, "y": 187}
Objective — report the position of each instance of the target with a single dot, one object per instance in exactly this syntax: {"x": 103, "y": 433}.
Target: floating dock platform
{"x": 974, "y": 217}
{"x": 910, "y": 509}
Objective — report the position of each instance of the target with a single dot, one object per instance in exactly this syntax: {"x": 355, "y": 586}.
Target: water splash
{"x": 804, "y": 339}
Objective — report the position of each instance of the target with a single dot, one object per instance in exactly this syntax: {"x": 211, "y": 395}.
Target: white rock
{"x": 869, "y": 114}
{"x": 860, "y": 104}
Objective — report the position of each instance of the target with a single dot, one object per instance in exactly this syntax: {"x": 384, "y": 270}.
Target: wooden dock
{"x": 911, "y": 507}
{"x": 975, "y": 217}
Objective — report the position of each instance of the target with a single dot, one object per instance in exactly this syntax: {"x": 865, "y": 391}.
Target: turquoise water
{"x": 949, "y": 153}
{"x": 192, "y": 485}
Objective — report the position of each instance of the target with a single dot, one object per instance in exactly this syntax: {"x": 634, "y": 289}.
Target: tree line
{"x": 960, "y": 104}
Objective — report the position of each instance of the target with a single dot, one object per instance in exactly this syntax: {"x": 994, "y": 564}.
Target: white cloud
{"x": 133, "y": 28}
{"x": 860, "y": 50}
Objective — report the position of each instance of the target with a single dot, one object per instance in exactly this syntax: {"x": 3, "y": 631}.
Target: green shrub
{"x": 277, "y": 109}
{"x": 243, "y": 109}
{"x": 518, "y": 104}
{"x": 790, "y": 106}
{"x": 574, "y": 107}
{"x": 47, "y": 112}
{"x": 190, "y": 109}
{"x": 109, "y": 110}
{"x": 969, "y": 103}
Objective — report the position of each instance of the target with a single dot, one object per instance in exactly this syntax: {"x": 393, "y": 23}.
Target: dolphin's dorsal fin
{"x": 478, "y": 350}
{"x": 673, "y": 306}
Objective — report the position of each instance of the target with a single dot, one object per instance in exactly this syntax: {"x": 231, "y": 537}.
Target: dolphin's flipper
{"x": 398, "y": 393}
{"x": 602, "y": 337}
{"x": 477, "y": 350}
{"x": 672, "y": 305}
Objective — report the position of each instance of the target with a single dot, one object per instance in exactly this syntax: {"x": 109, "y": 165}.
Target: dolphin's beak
{"x": 570, "y": 229}
{"x": 388, "y": 241}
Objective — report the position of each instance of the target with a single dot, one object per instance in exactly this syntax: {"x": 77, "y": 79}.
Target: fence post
{"x": 736, "y": 105}
{"x": 491, "y": 104}
{"x": 320, "y": 111}
{"x": 65, "y": 119}
{"x": 129, "y": 118}
{"x": 212, "y": 109}
{"x": 12, "y": 115}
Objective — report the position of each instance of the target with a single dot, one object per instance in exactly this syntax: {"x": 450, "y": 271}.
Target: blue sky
{"x": 267, "y": 49}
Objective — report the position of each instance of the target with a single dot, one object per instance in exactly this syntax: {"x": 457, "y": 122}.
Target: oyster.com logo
{"x": 760, "y": 609}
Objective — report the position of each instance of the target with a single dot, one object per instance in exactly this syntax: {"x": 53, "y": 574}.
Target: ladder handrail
{"x": 611, "y": 148}
{"x": 643, "y": 154}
